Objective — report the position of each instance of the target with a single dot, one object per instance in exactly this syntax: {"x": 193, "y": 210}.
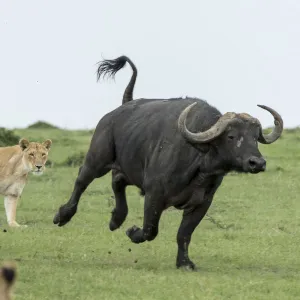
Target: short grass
{"x": 246, "y": 248}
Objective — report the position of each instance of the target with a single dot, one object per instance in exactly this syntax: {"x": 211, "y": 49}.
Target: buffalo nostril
{"x": 252, "y": 163}
{"x": 257, "y": 163}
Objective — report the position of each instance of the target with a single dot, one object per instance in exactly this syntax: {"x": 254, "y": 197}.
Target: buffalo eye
{"x": 230, "y": 137}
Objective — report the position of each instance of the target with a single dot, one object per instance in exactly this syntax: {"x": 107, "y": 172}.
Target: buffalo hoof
{"x": 117, "y": 219}
{"x": 136, "y": 234}
{"x": 63, "y": 216}
{"x": 113, "y": 225}
{"x": 186, "y": 266}
{"x": 56, "y": 219}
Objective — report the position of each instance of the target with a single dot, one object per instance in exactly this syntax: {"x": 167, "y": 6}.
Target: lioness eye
{"x": 31, "y": 154}
{"x": 43, "y": 154}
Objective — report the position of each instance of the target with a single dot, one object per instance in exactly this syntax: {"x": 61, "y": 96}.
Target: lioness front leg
{"x": 10, "y": 204}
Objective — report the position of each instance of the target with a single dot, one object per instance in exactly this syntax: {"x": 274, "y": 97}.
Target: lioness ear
{"x": 8, "y": 272}
{"x": 23, "y": 143}
{"x": 47, "y": 144}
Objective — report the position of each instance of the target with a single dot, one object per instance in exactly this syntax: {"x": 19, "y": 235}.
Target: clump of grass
{"x": 292, "y": 130}
{"x": 42, "y": 125}
{"x": 49, "y": 163}
{"x": 74, "y": 160}
{"x": 64, "y": 141}
{"x": 278, "y": 168}
{"x": 8, "y": 137}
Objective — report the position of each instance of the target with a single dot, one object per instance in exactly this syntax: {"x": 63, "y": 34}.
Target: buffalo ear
{"x": 47, "y": 144}
{"x": 23, "y": 143}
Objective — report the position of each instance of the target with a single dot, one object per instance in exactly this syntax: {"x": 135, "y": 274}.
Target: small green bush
{"x": 8, "y": 137}
{"x": 74, "y": 160}
{"x": 42, "y": 125}
{"x": 64, "y": 141}
{"x": 49, "y": 163}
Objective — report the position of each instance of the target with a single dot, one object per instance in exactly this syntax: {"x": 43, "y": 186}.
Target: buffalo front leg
{"x": 120, "y": 212}
{"x": 153, "y": 209}
{"x": 10, "y": 204}
{"x": 190, "y": 220}
{"x": 85, "y": 176}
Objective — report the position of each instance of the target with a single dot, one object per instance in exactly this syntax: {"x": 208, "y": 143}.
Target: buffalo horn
{"x": 208, "y": 135}
{"x": 277, "y": 131}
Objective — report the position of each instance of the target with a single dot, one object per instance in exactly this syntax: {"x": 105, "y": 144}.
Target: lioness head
{"x": 7, "y": 279}
{"x": 35, "y": 155}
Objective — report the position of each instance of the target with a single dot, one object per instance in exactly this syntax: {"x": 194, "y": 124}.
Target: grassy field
{"x": 246, "y": 248}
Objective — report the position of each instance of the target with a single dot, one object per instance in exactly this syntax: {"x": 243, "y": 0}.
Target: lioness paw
{"x": 14, "y": 224}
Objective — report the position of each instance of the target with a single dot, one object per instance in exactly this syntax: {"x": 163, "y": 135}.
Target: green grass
{"x": 247, "y": 248}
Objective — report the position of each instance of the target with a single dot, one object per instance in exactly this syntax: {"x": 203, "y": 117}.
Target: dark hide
{"x": 141, "y": 142}
{"x": 144, "y": 144}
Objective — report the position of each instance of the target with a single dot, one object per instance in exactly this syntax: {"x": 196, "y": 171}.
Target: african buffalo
{"x": 176, "y": 151}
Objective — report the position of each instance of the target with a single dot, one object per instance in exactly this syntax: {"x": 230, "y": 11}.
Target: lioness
{"x": 7, "y": 279}
{"x": 16, "y": 162}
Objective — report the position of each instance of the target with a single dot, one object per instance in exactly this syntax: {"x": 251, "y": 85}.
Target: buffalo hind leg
{"x": 120, "y": 212}
{"x": 85, "y": 176}
{"x": 153, "y": 209}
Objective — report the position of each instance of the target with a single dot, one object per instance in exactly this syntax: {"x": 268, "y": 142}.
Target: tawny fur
{"x": 16, "y": 162}
{"x": 7, "y": 280}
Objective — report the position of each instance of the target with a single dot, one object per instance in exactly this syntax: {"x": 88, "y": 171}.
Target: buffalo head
{"x": 235, "y": 137}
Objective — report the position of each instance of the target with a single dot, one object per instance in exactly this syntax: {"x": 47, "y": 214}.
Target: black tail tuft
{"x": 110, "y": 67}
